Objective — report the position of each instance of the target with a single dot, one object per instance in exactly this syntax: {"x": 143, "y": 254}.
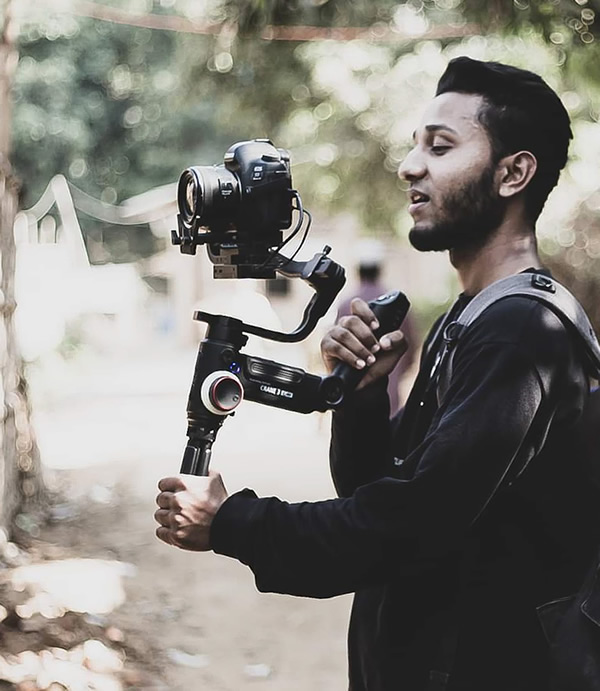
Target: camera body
{"x": 238, "y": 208}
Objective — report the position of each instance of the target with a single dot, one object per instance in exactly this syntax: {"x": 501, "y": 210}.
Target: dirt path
{"x": 107, "y": 435}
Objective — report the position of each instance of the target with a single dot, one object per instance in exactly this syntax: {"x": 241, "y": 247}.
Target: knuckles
{"x": 350, "y": 323}
{"x": 345, "y": 331}
{"x": 344, "y": 322}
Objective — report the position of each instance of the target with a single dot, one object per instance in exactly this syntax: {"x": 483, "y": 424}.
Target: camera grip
{"x": 390, "y": 310}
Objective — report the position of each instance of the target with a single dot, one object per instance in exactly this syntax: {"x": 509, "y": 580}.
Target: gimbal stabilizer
{"x": 224, "y": 375}
{"x": 239, "y": 210}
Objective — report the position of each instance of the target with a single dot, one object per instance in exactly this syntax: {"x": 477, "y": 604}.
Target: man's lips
{"x": 418, "y": 200}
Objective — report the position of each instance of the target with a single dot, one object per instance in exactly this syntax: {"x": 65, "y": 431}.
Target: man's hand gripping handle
{"x": 389, "y": 311}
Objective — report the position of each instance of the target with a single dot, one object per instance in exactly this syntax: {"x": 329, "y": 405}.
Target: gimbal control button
{"x": 221, "y": 392}
{"x": 386, "y": 298}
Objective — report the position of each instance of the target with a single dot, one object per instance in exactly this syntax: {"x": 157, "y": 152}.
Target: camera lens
{"x": 207, "y": 195}
{"x": 190, "y": 197}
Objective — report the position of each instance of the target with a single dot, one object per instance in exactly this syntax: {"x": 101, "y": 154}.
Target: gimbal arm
{"x": 320, "y": 272}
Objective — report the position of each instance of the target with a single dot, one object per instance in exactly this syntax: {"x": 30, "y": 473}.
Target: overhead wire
{"x": 271, "y": 32}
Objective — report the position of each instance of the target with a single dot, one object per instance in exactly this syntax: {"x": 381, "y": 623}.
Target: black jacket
{"x": 454, "y": 523}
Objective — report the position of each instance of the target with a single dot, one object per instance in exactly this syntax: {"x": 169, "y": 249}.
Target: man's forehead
{"x": 454, "y": 112}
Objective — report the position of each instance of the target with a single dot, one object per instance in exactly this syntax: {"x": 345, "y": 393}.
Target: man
{"x": 461, "y": 519}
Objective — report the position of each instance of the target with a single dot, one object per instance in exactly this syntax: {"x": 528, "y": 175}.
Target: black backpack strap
{"x": 572, "y": 314}
{"x": 539, "y": 287}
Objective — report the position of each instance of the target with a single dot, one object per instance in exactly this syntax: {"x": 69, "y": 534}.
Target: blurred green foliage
{"x": 120, "y": 109}
{"x": 91, "y": 101}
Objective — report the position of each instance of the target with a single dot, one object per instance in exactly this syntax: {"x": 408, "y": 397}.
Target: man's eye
{"x": 439, "y": 150}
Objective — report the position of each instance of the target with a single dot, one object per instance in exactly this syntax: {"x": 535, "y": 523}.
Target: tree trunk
{"x": 22, "y": 488}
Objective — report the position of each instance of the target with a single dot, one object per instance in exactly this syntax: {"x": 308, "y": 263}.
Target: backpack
{"x": 571, "y": 624}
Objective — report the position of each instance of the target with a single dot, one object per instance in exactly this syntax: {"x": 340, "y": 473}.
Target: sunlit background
{"x": 109, "y": 102}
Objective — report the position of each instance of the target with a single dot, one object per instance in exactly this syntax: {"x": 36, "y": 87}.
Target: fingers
{"x": 395, "y": 340}
{"x": 172, "y": 527}
{"x": 168, "y": 518}
{"x": 393, "y": 346}
{"x": 171, "y": 500}
{"x": 352, "y": 341}
{"x": 362, "y": 310}
{"x": 175, "y": 490}
{"x": 165, "y": 500}
{"x": 163, "y": 516}
{"x": 168, "y": 525}
{"x": 390, "y": 341}
{"x": 187, "y": 505}
{"x": 164, "y": 534}
{"x": 172, "y": 484}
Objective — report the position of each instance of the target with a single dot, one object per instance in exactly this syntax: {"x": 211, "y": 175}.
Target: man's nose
{"x": 413, "y": 166}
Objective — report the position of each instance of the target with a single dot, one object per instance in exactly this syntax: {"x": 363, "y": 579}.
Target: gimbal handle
{"x": 217, "y": 388}
{"x": 223, "y": 376}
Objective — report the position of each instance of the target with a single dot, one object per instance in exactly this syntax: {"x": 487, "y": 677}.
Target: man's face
{"x": 453, "y": 193}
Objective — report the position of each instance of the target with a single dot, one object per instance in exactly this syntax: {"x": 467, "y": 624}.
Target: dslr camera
{"x": 239, "y": 209}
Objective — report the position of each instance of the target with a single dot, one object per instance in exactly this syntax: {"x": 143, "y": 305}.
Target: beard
{"x": 470, "y": 216}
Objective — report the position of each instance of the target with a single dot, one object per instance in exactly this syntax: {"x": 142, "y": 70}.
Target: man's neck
{"x": 505, "y": 254}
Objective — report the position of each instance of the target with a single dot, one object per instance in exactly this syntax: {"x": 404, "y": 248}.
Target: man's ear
{"x": 515, "y": 173}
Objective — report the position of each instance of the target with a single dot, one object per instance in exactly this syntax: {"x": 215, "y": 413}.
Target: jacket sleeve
{"x": 361, "y": 435}
{"x": 494, "y": 418}
{"x": 360, "y": 439}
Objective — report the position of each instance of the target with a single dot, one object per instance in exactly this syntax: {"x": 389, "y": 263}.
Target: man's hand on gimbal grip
{"x": 352, "y": 340}
{"x": 187, "y": 506}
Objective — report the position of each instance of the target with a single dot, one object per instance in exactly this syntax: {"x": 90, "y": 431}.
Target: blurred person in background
{"x": 370, "y": 265}
{"x": 459, "y": 523}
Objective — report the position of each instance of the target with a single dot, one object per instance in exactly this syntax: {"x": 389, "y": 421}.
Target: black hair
{"x": 520, "y": 113}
